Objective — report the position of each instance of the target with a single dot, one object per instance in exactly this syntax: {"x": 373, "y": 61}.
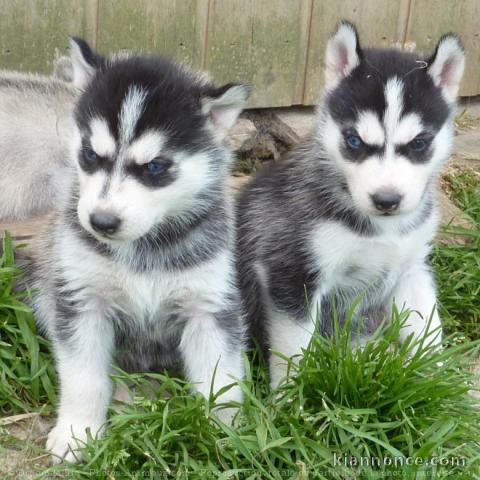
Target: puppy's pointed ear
{"x": 223, "y": 106}
{"x": 84, "y": 61}
{"x": 343, "y": 53}
{"x": 447, "y": 64}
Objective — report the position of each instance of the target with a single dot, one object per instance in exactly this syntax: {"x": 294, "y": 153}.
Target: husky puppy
{"x": 35, "y": 114}
{"x": 138, "y": 266}
{"x": 352, "y": 209}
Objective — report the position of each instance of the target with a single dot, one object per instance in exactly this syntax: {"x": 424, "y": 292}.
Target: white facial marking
{"x": 408, "y": 128}
{"x": 102, "y": 140}
{"x": 91, "y": 187}
{"x": 145, "y": 148}
{"x": 388, "y": 170}
{"x": 370, "y": 129}
{"x": 139, "y": 207}
{"x": 394, "y": 100}
{"x": 131, "y": 111}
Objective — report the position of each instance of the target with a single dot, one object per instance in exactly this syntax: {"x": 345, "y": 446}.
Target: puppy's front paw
{"x": 67, "y": 436}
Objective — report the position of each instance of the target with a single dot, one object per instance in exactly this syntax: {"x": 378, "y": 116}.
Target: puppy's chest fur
{"x": 148, "y": 309}
{"x": 350, "y": 264}
{"x": 333, "y": 264}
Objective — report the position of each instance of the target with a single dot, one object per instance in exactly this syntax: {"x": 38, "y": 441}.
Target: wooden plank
{"x": 377, "y": 23}
{"x": 430, "y": 19}
{"x": 168, "y": 27}
{"x": 203, "y": 13}
{"x": 303, "y": 48}
{"x": 32, "y": 32}
{"x": 257, "y": 41}
{"x": 278, "y": 46}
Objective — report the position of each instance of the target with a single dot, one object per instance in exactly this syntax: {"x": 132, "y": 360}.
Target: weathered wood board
{"x": 379, "y": 23}
{"x": 260, "y": 43}
{"x": 275, "y": 45}
{"x": 32, "y": 32}
{"x": 170, "y": 27}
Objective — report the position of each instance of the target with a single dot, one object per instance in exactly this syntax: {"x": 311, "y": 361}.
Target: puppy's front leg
{"x": 83, "y": 351}
{"x": 416, "y": 291}
{"x": 212, "y": 344}
{"x": 288, "y": 336}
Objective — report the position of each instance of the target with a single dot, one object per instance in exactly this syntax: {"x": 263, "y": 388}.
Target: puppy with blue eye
{"x": 351, "y": 212}
{"x": 138, "y": 266}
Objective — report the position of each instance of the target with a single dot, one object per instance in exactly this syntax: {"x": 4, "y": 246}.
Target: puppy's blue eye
{"x": 155, "y": 167}
{"x": 418, "y": 144}
{"x": 354, "y": 142}
{"x": 89, "y": 155}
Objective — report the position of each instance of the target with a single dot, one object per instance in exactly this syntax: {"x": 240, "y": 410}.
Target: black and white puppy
{"x": 352, "y": 209}
{"x": 138, "y": 266}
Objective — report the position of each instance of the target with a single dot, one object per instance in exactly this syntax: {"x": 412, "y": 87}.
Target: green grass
{"x": 376, "y": 402}
{"x": 457, "y": 266}
{"x": 383, "y": 402}
{"x": 26, "y": 369}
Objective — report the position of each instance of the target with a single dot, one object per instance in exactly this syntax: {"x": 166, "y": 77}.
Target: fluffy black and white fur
{"x": 138, "y": 265}
{"x": 352, "y": 211}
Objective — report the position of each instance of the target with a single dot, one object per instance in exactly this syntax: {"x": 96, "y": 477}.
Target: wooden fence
{"x": 276, "y": 45}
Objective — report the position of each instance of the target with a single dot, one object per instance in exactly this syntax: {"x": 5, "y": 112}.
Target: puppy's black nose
{"x": 104, "y": 222}
{"x": 386, "y": 201}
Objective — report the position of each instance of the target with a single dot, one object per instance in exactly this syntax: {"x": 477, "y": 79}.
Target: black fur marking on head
{"x": 364, "y": 88}
{"x": 172, "y": 104}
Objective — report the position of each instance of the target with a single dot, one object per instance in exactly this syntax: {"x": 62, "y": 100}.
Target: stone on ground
{"x": 293, "y": 123}
{"x": 242, "y": 135}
